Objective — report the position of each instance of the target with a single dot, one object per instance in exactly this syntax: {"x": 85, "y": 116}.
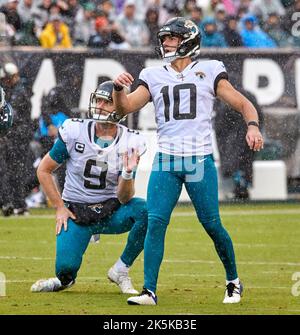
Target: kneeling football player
{"x": 97, "y": 198}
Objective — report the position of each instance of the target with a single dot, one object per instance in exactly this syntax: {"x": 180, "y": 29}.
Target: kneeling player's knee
{"x": 140, "y": 207}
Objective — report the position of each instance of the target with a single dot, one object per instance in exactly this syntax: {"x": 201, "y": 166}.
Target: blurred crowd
{"x": 129, "y": 24}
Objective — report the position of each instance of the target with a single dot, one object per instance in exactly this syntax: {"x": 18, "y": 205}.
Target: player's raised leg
{"x": 132, "y": 217}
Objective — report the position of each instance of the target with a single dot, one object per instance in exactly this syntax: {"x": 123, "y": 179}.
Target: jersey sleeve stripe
{"x": 222, "y": 75}
{"x": 90, "y": 130}
{"x": 143, "y": 83}
{"x": 60, "y": 137}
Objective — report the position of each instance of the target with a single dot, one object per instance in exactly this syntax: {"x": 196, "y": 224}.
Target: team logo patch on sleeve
{"x": 79, "y": 147}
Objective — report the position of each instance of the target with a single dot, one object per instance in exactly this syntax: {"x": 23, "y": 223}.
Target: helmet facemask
{"x": 99, "y": 114}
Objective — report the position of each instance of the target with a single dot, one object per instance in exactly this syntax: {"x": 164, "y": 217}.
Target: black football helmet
{"x": 103, "y": 91}
{"x": 6, "y": 114}
{"x": 190, "y": 36}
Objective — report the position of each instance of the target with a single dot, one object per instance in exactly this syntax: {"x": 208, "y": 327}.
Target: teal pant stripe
{"x": 200, "y": 178}
{"x": 72, "y": 244}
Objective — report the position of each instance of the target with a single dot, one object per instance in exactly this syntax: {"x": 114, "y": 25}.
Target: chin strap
{"x": 115, "y": 117}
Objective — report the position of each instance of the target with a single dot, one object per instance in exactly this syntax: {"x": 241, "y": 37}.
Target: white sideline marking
{"x": 240, "y": 262}
{"x": 24, "y": 257}
{"x": 184, "y": 214}
{"x": 105, "y": 281}
{"x": 200, "y": 261}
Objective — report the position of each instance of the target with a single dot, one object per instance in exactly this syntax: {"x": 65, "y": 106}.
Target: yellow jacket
{"x": 48, "y": 38}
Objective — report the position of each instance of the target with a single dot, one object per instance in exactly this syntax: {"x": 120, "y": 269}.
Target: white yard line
{"x": 187, "y": 261}
{"x": 291, "y": 211}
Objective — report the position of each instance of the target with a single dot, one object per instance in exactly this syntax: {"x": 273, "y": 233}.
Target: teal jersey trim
{"x": 59, "y": 151}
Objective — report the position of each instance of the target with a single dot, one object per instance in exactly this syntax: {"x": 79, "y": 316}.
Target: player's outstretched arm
{"x": 227, "y": 93}
{"x": 44, "y": 174}
{"x": 132, "y": 102}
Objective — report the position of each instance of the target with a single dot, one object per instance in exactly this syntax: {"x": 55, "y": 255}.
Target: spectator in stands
{"x": 107, "y": 7}
{"x": 220, "y": 16}
{"x": 188, "y": 7}
{"x": 151, "y": 20}
{"x": 9, "y": 9}
{"x": 106, "y": 35}
{"x": 135, "y": 31}
{"x": 27, "y": 35}
{"x": 253, "y": 36}
{"x": 273, "y": 27}
{"x": 7, "y": 32}
{"x": 25, "y": 10}
{"x": 230, "y": 32}
{"x": 41, "y": 15}
{"x": 56, "y": 34}
{"x": 197, "y": 16}
{"x": 210, "y": 36}
{"x": 209, "y": 7}
{"x": 69, "y": 14}
{"x": 173, "y": 7}
{"x": 230, "y": 6}
{"x": 84, "y": 24}
{"x": 262, "y": 8}
{"x": 163, "y": 13}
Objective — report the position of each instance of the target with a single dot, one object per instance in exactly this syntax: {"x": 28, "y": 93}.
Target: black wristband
{"x": 253, "y": 123}
{"x": 118, "y": 88}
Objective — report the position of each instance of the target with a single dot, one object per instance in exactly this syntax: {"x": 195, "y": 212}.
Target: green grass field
{"x": 267, "y": 245}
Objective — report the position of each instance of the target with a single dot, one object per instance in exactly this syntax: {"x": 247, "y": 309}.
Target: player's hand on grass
{"x": 62, "y": 215}
{"x": 254, "y": 138}
{"x": 130, "y": 162}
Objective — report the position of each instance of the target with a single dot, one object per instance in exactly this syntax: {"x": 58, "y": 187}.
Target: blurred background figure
{"x": 84, "y": 24}
{"x": 56, "y": 33}
{"x": 273, "y": 28}
{"x": 17, "y": 151}
{"x": 230, "y": 32}
{"x": 263, "y": 8}
{"x": 253, "y": 36}
{"x": 196, "y": 16}
{"x": 9, "y": 9}
{"x": 135, "y": 31}
{"x": 210, "y": 35}
{"x": 236, "y": 158}
{"x": 106, "y": 35}
{"x": 151, "y": 20}
{"x": 6, "y": 31}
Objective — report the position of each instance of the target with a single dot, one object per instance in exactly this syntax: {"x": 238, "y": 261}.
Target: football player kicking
{"x": 183, "y": 92}
{"x": 101, "y": 157}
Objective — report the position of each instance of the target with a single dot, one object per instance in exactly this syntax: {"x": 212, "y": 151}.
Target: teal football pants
{"x": 71, "y": 244}
{"x": 199, "y": 175}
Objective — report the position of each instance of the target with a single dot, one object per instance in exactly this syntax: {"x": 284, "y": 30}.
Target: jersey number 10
{"x": 176, "y": 106}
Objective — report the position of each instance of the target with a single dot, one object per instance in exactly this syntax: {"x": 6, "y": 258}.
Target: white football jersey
{"x": 183, "y": 105}
{"x": 92, "y": 172}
